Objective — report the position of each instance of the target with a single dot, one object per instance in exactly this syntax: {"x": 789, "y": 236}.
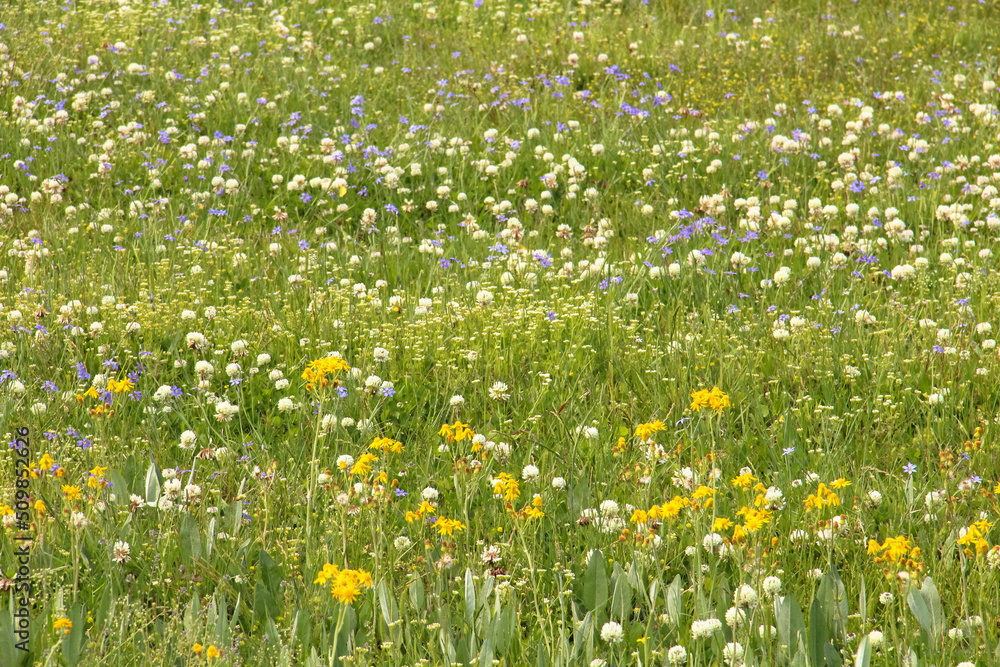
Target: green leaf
{"x": 152, "y": 484}
{"x": 595, "y": 582}
{"x": 621, "y": 599}
{"x": 486, "y": 653}
{"x": 470, "y": 597}
{"x": 863, "y": 657}
{"x": 417, "y": 594}
{"x": 580, "y": 634}
{"x": 791, "y": 624}
{"x": 675, "y": 603}
{"x": 9, "y": 653}
{"x": 832, "y": 656}
{"x": 926, "y": 606}
{"x": 210, "y": 538}
{"x": 190, "y": 539}
{"x": 264, "y": 605}
{"x": 542, "y": 659}
{"x": 387, "y": 603}
{"x": 270, "y": 574}
{"x": 818, "y": 633}
{"x": 191, "y": 615}
{"x": 833, "y": 596}
{"x": 72, "y": 644}
{"x": 863, "y": 602}
{"x": 302, "y": 630}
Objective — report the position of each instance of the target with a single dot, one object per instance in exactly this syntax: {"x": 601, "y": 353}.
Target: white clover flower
{"x": 558, "y": 483}
{"x": 401, "y": 543}
{"x": 529, "y": 473}
{"x": 612, "y": 632}
{"x": 429, "y": 494}
{"x": 771, "y": 586}
{"x": 677, "y": 655}
{"x": 380, "y": 354}
{"x": 286, "y": 405}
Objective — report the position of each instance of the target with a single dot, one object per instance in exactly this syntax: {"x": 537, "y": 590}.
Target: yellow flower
{"x": 721, "y": 523}
{"x": 448, "y": 526}
{"x": 63, "y": 624}
{"x": 363, "y": 465}
{"x": 639, "y": 516}
{"x": 40, "y": 507}
{"x": 197, "y": 648}
{"x": 840, "y": 483}
{"x": 212, "y": 652}
{"x": 317, "y": 371}
{"x": 744, "y": 481}
{"x": 646, "y": 431}
{"x": 71, "y": 492}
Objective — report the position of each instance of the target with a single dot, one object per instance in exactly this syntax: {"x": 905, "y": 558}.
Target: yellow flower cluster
{"x": 668, "y": 510}
{"x": 975, "y": 537}
{"x": 824, "y": 497}
{"x": 897, "y": 550}
{"x": 364, "y": 464}
{"x": 319, "y": 371}
{"x": 506, "y": 486}
{"x": 387, "y": 445}
{"x": 345, "y": 585}
{"x": 448, "y": 526}
{"x": 424, "y": 509}
{"x": 120, "y": 387}
{"x": 456, "y": 432}
{"x": 645, "y": 431}
{"x": 716, "y": 399}
{"x": 63, "y": 624}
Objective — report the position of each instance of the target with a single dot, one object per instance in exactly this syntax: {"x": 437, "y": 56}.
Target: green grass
{"x": 596, "y": 221}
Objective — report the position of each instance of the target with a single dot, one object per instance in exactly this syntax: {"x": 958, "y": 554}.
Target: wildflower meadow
{"x": 491, "y": 332}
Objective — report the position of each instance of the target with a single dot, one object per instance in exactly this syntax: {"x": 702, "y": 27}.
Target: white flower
{"x": 590, "y": 433}
{"x": 735, "y": 617}
{"x": 456, "y": 401}
{"x": 122, "y": 552}
{"x": 188, "y": 439}
{"x": 402, "y": 543}
{"x": 745, "y": 596}
{"x": 499, "y": 391}
{"x": 430, "y": 494}
{"x": 78, "y": 520}
{"x": 558, "y": 483}
{"x": 733, "y": 652}
{"x": 771, "y": 586}
{"x": 864, "y": 317}
{"x": 225, "y": 411}
{"x": 286, "y": 405}
{"x": 876, "y": 639}
{"x": 529, "y": 473}
{"x": 263, "y": 359}
{"x": 612, "y": 632}
{"x": 484, "y": 297}
{"x": 875, "y": 498}
{"x": 705, "y": 628}
{"x": 677, "y": 655}
{"x": 381, "y": 354}
{"x": 609, "y": 508}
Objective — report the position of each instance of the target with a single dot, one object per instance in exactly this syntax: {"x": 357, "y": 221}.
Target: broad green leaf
{"x": 417, "y": 594}
{"x": 833, "y": 596}
{"x": 595, "y": 582}
{"x": 9, "y": 653}
{"x": 152, "y": 485}
{"x": 863, "y": 603}
{"x": 72, "y": 644}
{"x": 863, "y": 657}
{"x": 621, "y": 599}
{"x": 270, "y": 574}
{"x": 486, "y": 653}
{"x": 470, "y": 597}
{"x": 675, "y": 602}
{"x": 818, "y": 633}
{"x": 791, "y": 624}
{"x": 190, "y": 539}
